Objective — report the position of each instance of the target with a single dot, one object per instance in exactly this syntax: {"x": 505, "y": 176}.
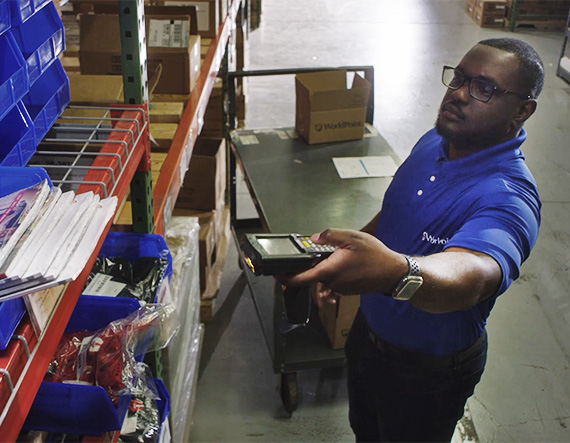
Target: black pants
{"x": 398, "y": 395}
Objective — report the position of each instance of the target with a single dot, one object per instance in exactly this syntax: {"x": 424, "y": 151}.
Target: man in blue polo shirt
{"x": 458, "y": 220}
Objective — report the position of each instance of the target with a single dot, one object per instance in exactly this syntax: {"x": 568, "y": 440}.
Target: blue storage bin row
{"x": 26, "y": 123}
{"x": 5, "y": 20}
{"x": 86, "y": 409}
{"x": 16, "y": 12}
{"x": 41, "y": 40}
{"x": 12, "y": 180}
{"x": 31, "y": 76}
{"x": 13, "y": 74}
{"x": 76, "y": 408}
{"x": 70, "y": 408}
{"x": 22, "y": 10}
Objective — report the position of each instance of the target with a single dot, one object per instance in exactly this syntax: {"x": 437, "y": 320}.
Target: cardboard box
{"x": 488, "y": 21}
{"x": 100, "y": 49}
{"x": 206, "y": 246}
{"x": 470, "y": 7}
{"x": 492, "y": 7}
{"x": 204, "y": 184}
{"x": 207, "y": 11}
{"x": 95, "y": 90}
{"x": 180, "y": 65}
{"x": 337, "y": 318}
{"x": 326, "y": 110}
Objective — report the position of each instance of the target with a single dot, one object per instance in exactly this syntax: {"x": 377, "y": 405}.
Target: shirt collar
{"x": 509, "y": 148}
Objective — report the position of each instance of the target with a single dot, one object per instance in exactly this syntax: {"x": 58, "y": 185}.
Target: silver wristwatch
{"x": 410, "y": 283}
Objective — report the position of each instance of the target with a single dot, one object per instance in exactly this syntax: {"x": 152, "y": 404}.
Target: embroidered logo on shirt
{"x": 434, "y": 240}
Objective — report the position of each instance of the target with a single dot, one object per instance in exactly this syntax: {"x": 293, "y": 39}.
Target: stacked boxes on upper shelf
{"x": 487, "y": 13}
{"x": 34, "y": 88}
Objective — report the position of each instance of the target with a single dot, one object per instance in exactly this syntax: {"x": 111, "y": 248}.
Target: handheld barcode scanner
{"x": 271, "y": 254}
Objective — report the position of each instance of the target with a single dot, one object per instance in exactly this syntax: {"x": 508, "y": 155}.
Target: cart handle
{"x": 368, "y": 75}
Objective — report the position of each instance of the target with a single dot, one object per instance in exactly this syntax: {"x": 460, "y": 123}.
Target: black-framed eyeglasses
{"x": 479, "y": 88}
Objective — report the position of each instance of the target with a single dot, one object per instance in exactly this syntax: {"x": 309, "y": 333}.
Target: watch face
{"x": 408, "y": 287}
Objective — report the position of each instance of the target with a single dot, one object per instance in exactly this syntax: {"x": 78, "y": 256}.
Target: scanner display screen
{"x": 278, "y": 246}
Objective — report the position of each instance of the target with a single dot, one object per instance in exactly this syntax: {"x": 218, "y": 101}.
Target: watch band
{"x": 410, "y": 283}
{"x": 413, "y": 266}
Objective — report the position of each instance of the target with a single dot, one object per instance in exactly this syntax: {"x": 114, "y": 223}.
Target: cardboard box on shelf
{"x": 204, "y": 183}
{"x": 326, "y": 110}
{"x": 161, "y": 136}
{"x": 206, "y": 246}
{"x": 488, "y": 21}
{"x": 470, "y": 7}
{"x": 180, "y": 65}
{"x": 492, "y": 7}
{"x": 337, "y": 318}
{"x": 95, "y": 90}
{"x": 165, "y": 112}
{"x": 214, "y": 276}
{"x": 170, "y": 44}
{"x": 207, "y": 11}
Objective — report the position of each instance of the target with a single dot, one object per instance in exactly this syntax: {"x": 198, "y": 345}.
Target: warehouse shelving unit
{"x": 178, "y": 158}
{"x": 122, "y": 160}
{"x": 129, "y": 143}
{"x": 564, "y": 62}
{"x": 514, "y": 16}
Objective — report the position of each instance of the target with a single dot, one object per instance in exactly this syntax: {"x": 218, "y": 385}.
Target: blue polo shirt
{"x": 487, "y": 202}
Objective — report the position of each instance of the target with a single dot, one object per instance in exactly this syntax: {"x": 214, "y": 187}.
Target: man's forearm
{"x": 456, "y": 280}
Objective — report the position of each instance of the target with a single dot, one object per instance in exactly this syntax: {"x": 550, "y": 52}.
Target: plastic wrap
{"x": 107, "y": 357}
{"x": 138, "y": 279}
{"x": 145, "y": 418}
{"x": 182, "y": 353}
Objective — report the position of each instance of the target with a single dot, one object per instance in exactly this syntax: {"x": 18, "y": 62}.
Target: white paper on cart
{"x": 362, "y": 167}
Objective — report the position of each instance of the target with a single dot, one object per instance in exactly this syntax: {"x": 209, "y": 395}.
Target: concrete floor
{"x": 525, "y": 391}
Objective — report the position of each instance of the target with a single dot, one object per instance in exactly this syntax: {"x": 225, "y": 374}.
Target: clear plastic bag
{"x": 108, "y": 357}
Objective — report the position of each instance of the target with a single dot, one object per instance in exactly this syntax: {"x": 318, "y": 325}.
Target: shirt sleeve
{"x": 504, "y": 226}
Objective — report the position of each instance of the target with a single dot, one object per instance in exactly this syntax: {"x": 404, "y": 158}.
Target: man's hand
{"x": 455, "y": 279}
{"x": 361, "y": 264}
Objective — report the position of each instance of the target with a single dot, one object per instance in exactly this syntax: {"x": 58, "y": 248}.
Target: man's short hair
{"x": 531, "y": 68}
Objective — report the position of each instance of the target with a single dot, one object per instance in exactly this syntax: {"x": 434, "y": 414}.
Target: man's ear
{"x": 525, "y": 110}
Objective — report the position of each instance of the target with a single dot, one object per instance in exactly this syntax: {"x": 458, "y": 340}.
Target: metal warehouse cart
{"x": 296, "y": 188}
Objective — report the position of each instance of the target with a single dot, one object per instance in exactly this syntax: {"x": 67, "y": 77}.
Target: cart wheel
{"x": 289, "y": 394}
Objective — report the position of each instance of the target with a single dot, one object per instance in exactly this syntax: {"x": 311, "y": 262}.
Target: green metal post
{"x": 135, "y": 87}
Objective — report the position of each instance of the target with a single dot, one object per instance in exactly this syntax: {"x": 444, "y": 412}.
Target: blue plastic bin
{"x": 163, "y": 404}
{"x": 17, "y": 139}
{"x": 13, "y": 179}
{"x": 41, "y": 40}
{"x": 11, "y": 312}
{"x": 47, "y": 99}
{"x": 132, "y": 246}
{"x": 13, "y": 74}
{"x": 22, "y": 10}
{"x": 5, "y": 20}
{"x": 82, "y": 409}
